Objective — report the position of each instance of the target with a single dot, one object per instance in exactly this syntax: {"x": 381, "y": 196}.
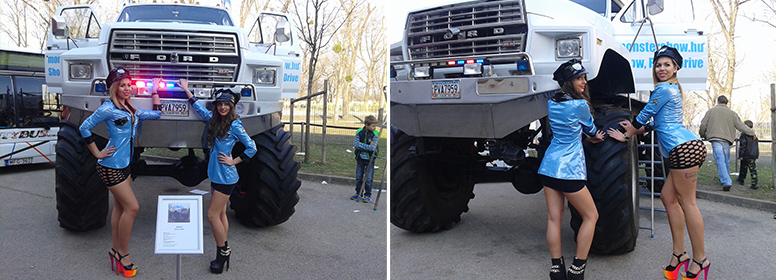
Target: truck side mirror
{"x": 58, "y": 26}
{"x": 282, "y": 32}
{"x": 655, "y": 7}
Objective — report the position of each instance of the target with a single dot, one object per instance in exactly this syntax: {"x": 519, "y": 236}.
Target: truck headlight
{"x": 264, "y": 76}
{"x": 421, "y": 72}
{"x": 565, "y": 48}
{"x": 80, "y": 71}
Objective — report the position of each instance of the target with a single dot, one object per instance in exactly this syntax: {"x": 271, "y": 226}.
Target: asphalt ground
{"x": 503, "y": 237}
{"x": 329, "y": 236}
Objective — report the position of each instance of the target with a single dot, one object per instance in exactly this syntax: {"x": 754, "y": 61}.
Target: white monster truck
{"x": 173, "y": 41}
{"x": 472, "y": 80}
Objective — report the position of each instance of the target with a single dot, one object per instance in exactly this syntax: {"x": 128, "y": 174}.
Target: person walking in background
{"x": 748, "y": 152}
{"x": 223, "y": 131}
{"x": 121, "y": 117}
{"x": 685, "y": 153}
{"x": 365, "y": 144}
{"x": 563, "y": 171}
{"x": 719, "y": 127}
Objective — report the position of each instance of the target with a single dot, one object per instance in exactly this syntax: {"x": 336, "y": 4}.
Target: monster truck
{"x": 174, "y": 41}
{"x": 471, "y": 81}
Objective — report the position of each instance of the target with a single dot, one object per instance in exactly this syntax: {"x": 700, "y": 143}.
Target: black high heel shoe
{"x": 577, "y": 269}
{"x": 222, "y": 257}
{"x": 558, "y": 269}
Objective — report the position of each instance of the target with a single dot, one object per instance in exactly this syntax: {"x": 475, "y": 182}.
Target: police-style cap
{"x": 227, "y": 95}
{"x": 116, "y": 75}
{"x": 568, "y": 70}
{"x": 669, "y": 52}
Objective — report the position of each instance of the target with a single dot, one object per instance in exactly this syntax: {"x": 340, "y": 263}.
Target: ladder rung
{"x": 647, "y": 178}
{"x": 646, "y": 146}
{"x": 649, "y": 161}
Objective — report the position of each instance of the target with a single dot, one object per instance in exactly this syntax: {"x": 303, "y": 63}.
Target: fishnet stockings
{"x": 686, "y": 155}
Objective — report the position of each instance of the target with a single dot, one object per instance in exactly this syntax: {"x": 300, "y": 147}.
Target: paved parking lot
{"x": 329, "y": 236}
{"x": 503, "y": 237}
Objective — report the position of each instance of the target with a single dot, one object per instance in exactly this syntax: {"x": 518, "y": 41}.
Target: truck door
{"x": 674, "y": 25}
{"x": 273, "y": 33}
{"x": 72, "y": 27}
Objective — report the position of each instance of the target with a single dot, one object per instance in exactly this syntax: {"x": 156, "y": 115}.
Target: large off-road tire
{"x": 82, "y": 198}
{"x": 267, "y": 190}
{"x": 429, "y": 194}
{"x": 612, "y": 180}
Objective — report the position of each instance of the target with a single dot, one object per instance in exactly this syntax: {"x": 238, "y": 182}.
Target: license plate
{"x": 176, "y": 108}
{"x": 450, "y": 89}
{"x": 18, "y": 161}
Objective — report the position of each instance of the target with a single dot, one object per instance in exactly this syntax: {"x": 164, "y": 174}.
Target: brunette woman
{"x": 223, "y": 131}
{"x": 563, "y": 172}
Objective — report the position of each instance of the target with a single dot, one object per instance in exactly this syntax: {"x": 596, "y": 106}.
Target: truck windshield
{"x": 175, "y": 13}
{"x": 597, "y": 6}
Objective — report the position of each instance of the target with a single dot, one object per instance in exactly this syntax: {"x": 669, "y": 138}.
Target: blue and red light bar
{"x": 462, "y": 62}
{"x": 142, "y": 84}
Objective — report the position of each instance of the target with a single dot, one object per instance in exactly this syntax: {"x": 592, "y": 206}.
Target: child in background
{"x": 748, "y": 154}
{"x": 365, "y": 144}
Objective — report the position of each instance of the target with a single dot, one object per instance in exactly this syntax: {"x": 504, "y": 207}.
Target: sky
{"x": 754, "y": 46}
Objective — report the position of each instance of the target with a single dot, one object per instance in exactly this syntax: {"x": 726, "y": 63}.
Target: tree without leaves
{"x": 722, "y": 78}
{"x": 317, "y": 23}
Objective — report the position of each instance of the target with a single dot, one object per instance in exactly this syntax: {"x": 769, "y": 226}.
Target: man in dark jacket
{"x": 748, "y": 153}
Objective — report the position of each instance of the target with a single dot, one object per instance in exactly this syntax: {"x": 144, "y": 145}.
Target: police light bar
{"x": 463, "y": 62}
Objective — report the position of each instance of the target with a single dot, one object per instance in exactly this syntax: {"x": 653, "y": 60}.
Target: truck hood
{"x": 546, "y": 13}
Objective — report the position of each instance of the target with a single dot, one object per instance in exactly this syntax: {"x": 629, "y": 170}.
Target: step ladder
{"x": 650, "y": 166}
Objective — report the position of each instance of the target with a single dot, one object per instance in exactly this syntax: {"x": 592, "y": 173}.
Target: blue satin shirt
{"x": 220, "y": 173}
{"x": 565, "y": 158}
{"x": 121, "y": 131}
{"x": 665, "y": 106}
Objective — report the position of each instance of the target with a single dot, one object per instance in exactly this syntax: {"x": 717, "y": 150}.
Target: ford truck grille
{"x": 466, "y": 29}
{"x": 202, "y": 57}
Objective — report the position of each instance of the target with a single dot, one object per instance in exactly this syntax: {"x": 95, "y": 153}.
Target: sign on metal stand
{"x": 179, "y": 227}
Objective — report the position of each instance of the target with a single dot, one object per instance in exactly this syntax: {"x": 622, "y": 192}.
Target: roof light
{"x": 451, "y": 62}
{"x": 460, "y": 62}
{"x": 140, "y": 84}
{"x": 480, "y": 60}
{"x": 469, "y": 61}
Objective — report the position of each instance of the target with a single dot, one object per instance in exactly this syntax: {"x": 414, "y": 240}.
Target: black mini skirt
{"x": 566, "y": 186}
{"x": 112, "y": 176}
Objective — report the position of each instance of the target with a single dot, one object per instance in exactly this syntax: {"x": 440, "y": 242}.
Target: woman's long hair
{"x": 219, "y": 125}
{"x": 568, "y": 87}
{"x": 672, "y": 80}
{"x": 114, "y": 89}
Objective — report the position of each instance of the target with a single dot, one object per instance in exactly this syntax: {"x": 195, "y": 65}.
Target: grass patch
{"x": 708, "y": 178}
{"x": 339, "y": 161}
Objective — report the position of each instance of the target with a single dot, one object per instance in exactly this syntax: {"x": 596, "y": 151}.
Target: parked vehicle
{"x": 28, "y": 116}
{"x": 469, "y": 101}
{"x": 174, "y": 41}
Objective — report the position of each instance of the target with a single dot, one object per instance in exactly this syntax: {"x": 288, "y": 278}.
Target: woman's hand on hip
{"x": 226, "y": 159}
{"x": 107, "y": 152}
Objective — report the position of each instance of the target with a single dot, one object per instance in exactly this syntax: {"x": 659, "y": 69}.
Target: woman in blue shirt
{"x": 563, "y": 172}
{"x": 223, "y": 131}
{"x": 121, "y": 117}
{"x": 685, "y": 152}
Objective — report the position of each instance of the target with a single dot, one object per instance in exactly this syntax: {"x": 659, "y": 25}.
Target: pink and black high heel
{"x": 113, "y": 259}
{"x": 694, "y": 276}
{"x": 672, "y": 272}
